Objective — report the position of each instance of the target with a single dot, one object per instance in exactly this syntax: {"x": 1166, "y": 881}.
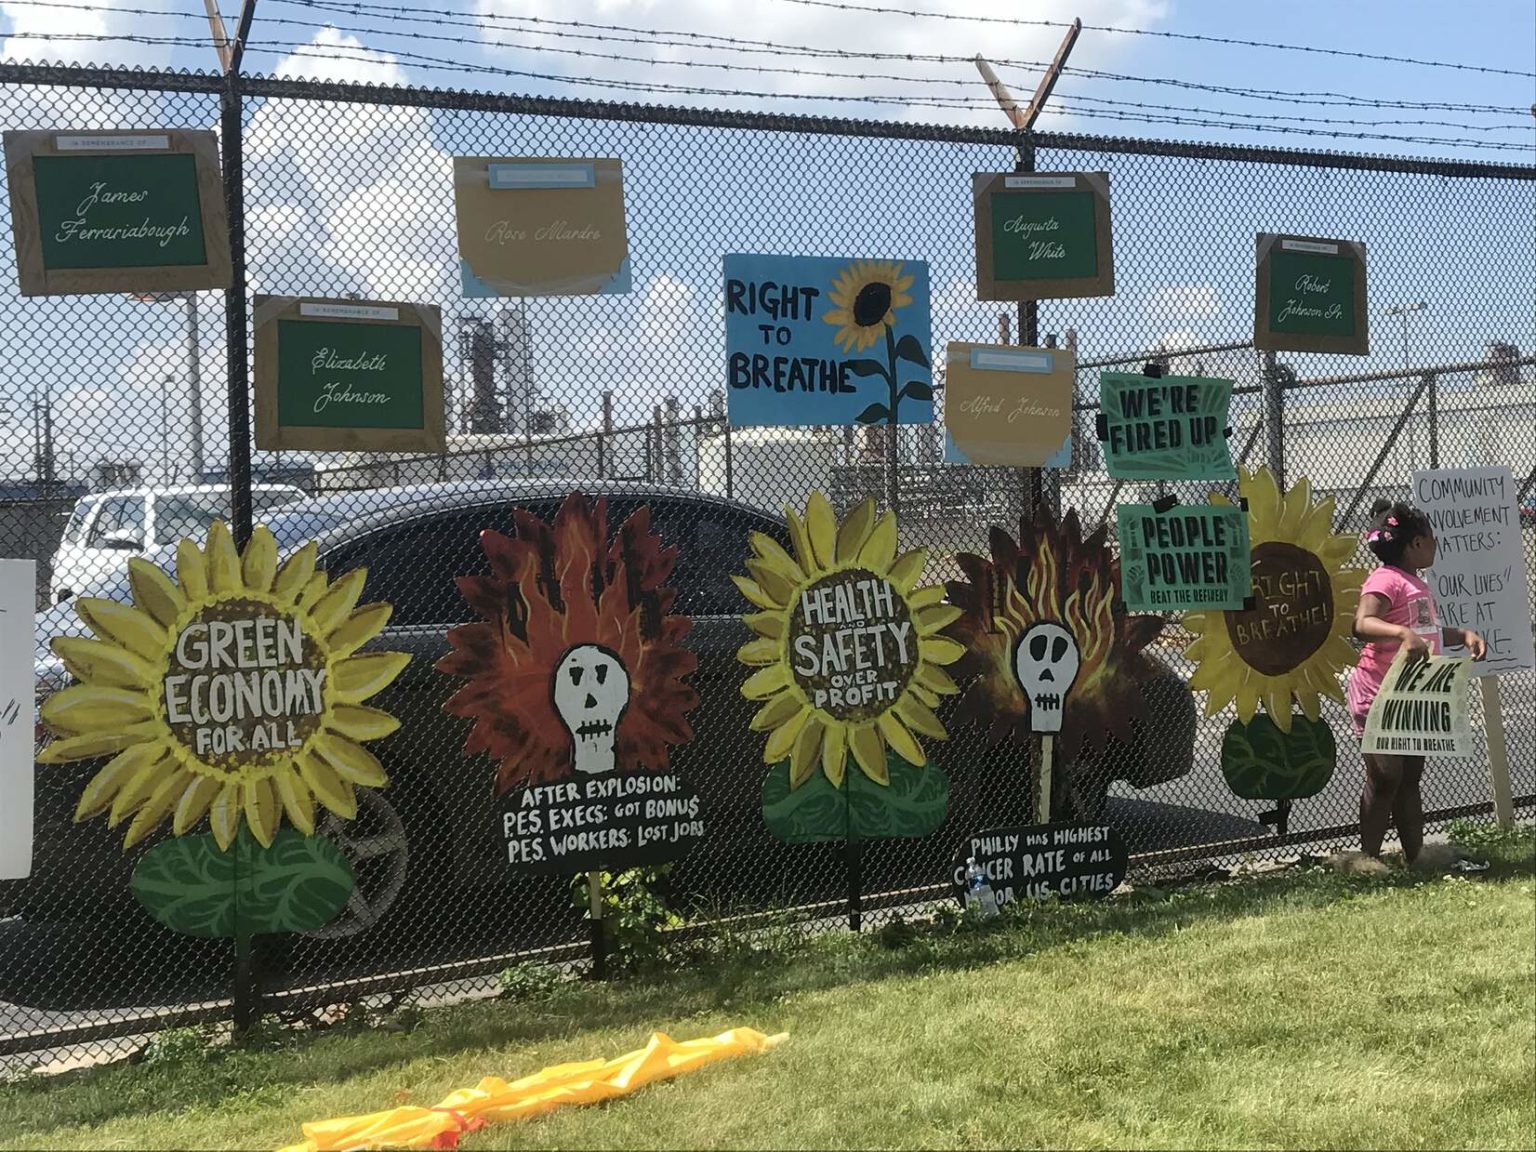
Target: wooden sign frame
{"x": 272, "y": 435}
{"x": 1267, "y": 340}
{"x": 21, "y": 150}
{"x": 985, "y": 185}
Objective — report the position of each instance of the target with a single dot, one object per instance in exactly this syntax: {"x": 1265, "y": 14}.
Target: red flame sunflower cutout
{"x": 1050, "y": 576}
{"x": 577, "y": 664}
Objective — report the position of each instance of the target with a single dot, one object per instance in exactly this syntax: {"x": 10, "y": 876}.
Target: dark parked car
{"x": 433, "y": 885}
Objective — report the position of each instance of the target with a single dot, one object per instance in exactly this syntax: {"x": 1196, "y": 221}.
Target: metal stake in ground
{"x": 599, "y": 935}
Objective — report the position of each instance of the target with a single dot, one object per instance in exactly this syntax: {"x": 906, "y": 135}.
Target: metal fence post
{"x": 853, "y": 860}
{"x": 246, "y": 991}
{"x": 1434, "y": 419}
{"x": 730, "y": 475}
{"x": 236, "y": 322}
{"x": 1274, "y": 457}
{"x": 1029, "y": 332}
{"x": 1274, "y": 419}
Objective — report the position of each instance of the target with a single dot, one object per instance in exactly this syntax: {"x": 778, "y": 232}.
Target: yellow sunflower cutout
{"x": 848, "y": 653}
{"x": 1293, "y": 643}
{"x": 234, "y": 692}
{"x": 865, "y": 297}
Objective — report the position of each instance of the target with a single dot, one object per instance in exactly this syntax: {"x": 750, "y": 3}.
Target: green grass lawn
{"x": 1293, "y": 1010}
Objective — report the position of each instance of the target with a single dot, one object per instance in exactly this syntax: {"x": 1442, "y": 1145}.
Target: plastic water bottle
{"x": 978, "y": 892}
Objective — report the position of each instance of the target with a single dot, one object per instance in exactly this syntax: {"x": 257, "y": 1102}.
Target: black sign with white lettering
{"x": 598, "y": 822}
{"x": 1068, "y": 861}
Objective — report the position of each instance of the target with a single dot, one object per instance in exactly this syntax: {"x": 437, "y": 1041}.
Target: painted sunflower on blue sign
{"x": 866, "y": 296}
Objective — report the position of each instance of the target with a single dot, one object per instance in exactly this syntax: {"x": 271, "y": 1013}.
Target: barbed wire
{"x": 1141, "y": 112}
{"x": 957, "y": 81}
{"x": 1228, "y": 41}
{"x": 1277, "y": 116}
{"x": 361, "y": 54}
{"x": 400, "y": 13}
{"x": 112, "y": 38}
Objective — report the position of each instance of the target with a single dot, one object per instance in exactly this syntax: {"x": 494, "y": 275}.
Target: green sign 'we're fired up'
{"x": 117, "y": 212}
{"x": 1310, "y": 296}
{"x": 1042, "y": 235}
{"x": 348, "y": 375}
{"x": 1165, "y": 427}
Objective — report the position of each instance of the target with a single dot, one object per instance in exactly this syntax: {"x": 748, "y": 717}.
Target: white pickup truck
{"x": 106, "y": 527}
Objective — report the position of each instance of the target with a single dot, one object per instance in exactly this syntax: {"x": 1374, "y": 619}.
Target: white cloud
{"x": 1179, "y": 340}
{"x": 663, "y": 331}
{"x": 397, "y": 235}
{"x": 142, "y": 413}
{"x": 1183, "y": 302}
{"x": 359, "y": 66}
{"x": 30, "y": 28}
{"x": 361, "y": 195}
{"x": 665, "y": 313}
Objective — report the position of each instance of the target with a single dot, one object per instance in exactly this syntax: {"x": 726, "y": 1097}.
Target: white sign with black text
{"x": 18, "y": 607}
{"x": 1479, "y": 575}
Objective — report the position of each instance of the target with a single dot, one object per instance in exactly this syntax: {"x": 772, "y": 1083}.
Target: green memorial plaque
{"x": 1165, "y": 427}
{"x": 117, "y": 212}
{"x": 348, "y": 375}
{"x": 1042, "y": 235}
{"x": 1310, "y": 295}
{"x": 337, "y": 375}
{"x": 1186, "y": 559}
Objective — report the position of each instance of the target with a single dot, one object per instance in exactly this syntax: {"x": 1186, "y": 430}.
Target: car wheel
{"x": 374, "y": 844}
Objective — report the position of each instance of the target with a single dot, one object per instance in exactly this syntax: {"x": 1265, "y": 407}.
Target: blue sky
{"x": 383, "y": 223}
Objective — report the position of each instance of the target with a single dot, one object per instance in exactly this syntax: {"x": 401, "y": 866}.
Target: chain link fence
{"x": 120, "y": 403}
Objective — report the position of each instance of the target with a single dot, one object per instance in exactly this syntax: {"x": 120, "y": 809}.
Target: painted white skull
{"x": 1046, "y": 663}
{"x": 591, "y": 693}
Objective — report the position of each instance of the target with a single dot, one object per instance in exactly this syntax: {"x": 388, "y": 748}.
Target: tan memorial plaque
{"x": 1008, "y": 406}
{"x": 541, "y": 227}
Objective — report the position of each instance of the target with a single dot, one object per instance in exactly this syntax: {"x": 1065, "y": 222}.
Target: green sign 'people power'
{"x": 343, "y": 375}
{"x": 117, "y": 212}
{"x": 1310, "y": 295}
{"x": 1165, "y": 427}
{"x": 1188, "y": 558}
{"x": 1041, "y": 235}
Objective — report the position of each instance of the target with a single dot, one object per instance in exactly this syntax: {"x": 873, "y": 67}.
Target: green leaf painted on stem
{"x": 194, "y": 887}
{"x": 912, "y": 805}
{"x": 810, "y": 814}
{"x": 865, "y": 367}
{"x": 1260, "y": 762}
{"x": 188, "y": 885}
{"x": 874, "y": 414}
{"x": 917, "y": 390}
{"x": 297, "y": 885}
{"x": 908, "y": 349}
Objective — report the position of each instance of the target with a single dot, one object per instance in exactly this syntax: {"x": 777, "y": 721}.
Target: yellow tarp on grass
{"x": 494, "y": 1101}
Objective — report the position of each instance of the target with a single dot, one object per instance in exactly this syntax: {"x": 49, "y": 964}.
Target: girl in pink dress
{"x": 1396, "y": 609}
